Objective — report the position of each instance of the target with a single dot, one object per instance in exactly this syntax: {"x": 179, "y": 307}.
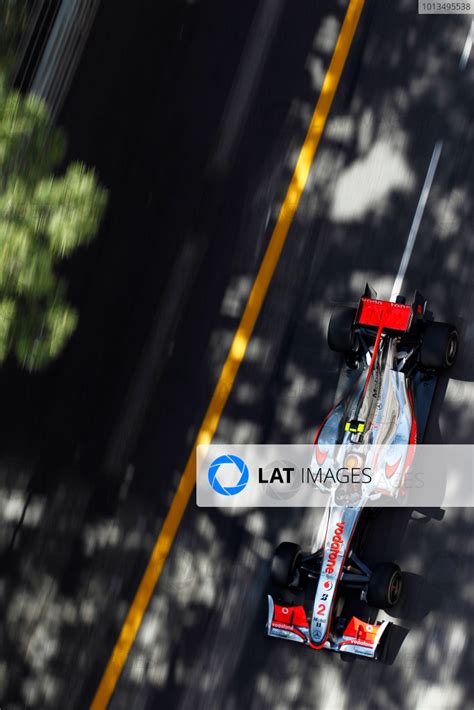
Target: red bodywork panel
{"x": 395, "y": 316}
{"x": 360, "y": 633}
{"x": 293, "y": 619}
{"x": 290, "y": 615}
{"x": 358, "y": 630}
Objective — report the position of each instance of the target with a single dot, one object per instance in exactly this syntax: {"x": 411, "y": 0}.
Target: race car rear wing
{"x": 384, "y": 315}
{"x": 389, "y": 315}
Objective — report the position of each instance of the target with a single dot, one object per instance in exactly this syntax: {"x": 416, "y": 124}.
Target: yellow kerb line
{"x": 231, "y": 366}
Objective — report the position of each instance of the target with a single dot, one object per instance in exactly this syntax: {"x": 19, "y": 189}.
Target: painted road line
{"x": 466, "y": 52}
{"x": 417, "y": 220}
{"x": 234, "y": 359}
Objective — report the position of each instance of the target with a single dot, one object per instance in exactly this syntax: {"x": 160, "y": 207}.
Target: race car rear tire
{"x": 284, "y": 563}
{"x": 385, "y": 586}
{"x": 439, "y": 346}
{"x": 340, "y": 330}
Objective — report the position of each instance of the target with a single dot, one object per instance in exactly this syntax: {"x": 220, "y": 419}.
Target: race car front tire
{"x": 385, "y": 586}
{"x": 340, "y": 330}
{"x": 439, "y": 346}
{"x": 284, "y": 563}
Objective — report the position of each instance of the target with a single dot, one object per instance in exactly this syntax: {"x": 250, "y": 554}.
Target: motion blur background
{"x": 191, "y": 115}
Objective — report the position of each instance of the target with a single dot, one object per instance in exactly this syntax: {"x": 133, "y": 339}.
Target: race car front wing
{"x": 356, "y": 636}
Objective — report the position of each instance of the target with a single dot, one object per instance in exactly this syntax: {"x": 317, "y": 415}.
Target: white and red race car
{"x": 397, "y": 352}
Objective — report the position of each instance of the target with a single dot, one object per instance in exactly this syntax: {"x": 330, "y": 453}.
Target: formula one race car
{"x": 397, "y": 352}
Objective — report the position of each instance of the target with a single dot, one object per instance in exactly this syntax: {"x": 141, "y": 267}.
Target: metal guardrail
{"x": 52, "y": 47}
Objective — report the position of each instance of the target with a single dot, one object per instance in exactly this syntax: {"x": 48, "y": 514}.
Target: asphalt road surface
{"x": 202, "y": 644}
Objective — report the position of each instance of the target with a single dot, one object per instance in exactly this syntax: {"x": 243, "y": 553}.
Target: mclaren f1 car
{"x": 397, "y": 352}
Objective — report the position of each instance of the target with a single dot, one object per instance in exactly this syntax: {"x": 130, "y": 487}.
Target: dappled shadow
{"x": 201, "y": 643}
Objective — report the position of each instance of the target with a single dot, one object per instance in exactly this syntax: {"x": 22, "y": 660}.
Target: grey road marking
{"x": 467, "y": 48}
{"x": 417, "y": 220}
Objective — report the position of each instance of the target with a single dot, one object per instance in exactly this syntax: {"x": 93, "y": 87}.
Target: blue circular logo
{"x": 217, "y": 485}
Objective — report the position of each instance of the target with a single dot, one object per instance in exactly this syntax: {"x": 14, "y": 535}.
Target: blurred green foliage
{"x": 13, "y": 22}
{"x": 43, "y": 218}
